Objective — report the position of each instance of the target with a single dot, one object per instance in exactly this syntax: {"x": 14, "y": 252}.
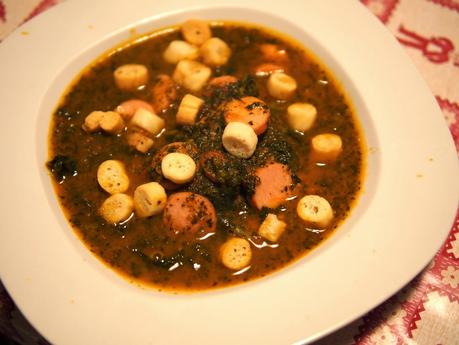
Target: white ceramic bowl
{"x": 404, "y": 214}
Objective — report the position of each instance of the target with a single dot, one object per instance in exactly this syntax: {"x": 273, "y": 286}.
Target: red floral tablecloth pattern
{"x": 424, "y": 312}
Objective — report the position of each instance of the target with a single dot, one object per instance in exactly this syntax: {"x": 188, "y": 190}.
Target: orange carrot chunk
{"x": 250, "y": 110}
{"x": 222, "y": 81}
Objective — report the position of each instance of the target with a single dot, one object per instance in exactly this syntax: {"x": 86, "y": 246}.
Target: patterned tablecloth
{"x": 426, "y": 311}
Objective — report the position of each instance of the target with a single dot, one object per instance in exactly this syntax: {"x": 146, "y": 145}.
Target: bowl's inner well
{"x": 73, "y": 67}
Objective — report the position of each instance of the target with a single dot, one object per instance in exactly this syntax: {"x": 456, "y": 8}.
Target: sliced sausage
{"x": 275, "y": 185}
{"x": 212, "y": 162}
{"x": 250, "y": 110}
{"x": 164, "y": 92}
{"x": 167, "y": 184}
{"x": 190, "y": 215}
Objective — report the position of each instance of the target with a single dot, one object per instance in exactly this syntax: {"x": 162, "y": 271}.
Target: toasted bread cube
{"x": 139, "y": 141}
{"x": 215, "y": 52}
{"x": 180, "y": 50}
{"x": 281, "y": 85}
{"x": 131, "y": 76}
{"x": 147, "y": 121}
{"x": 178, "y": 167}
{"x": 92, "y": 121}
{"x": 326, "y": 146}
{"x": 315, "y": 210}
{"x": 301, "y": 116}
{"x": 196, "y": 31}
{"x": 236, "y": 253}
{"x": 112, "y": 176}
{"x": 128, "y": 108}
{"x": 239, "y": 139}
{"x": 191, "y": 75}
{"x": 112, "y": 122}
{"x": 188, "y": 110}
{"x": 272, "y": 228}
{"x": 117, "y": 208}
{"x": 149, "y": 199}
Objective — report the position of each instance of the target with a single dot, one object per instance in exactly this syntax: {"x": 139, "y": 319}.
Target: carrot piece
{"x": 222, "y": 80}
{"x": 250, "y": 110}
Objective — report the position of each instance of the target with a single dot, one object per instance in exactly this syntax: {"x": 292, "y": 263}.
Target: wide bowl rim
{"x": 312, "y": 326}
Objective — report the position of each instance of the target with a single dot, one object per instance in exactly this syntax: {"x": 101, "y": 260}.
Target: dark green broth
{"x": 132, "y": 248}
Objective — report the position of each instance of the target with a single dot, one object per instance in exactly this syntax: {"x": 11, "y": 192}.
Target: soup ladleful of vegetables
{"x": 205, "y": 155}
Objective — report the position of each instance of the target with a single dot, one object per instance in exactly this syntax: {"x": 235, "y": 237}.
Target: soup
{"x": 205, "y": 155}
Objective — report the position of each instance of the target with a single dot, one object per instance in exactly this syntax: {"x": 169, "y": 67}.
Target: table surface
{"x": 426, "y": 311}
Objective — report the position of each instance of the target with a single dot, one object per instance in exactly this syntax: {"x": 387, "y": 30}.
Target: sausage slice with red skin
{"x": 190, "y": 215}
{"x": 164, "y": 92}
{"x": 274, "y": 187}
{"x": 250, "y": 110}
{"x": 211, "y": 162}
